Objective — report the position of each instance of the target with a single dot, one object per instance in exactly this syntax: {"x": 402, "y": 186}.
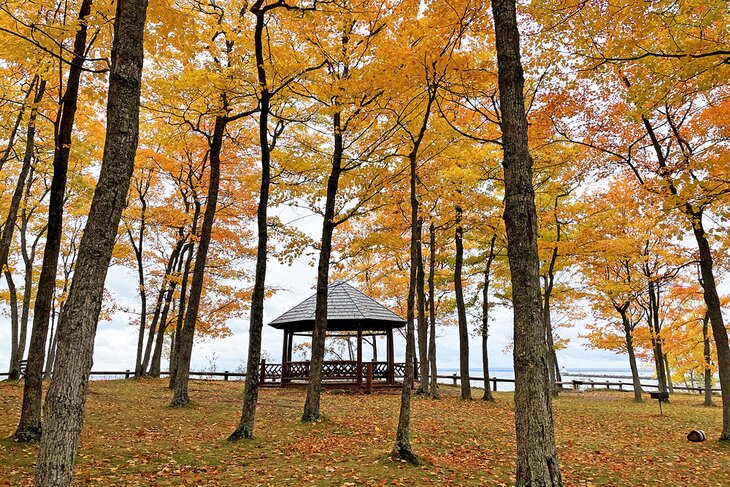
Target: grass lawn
{"x": 131, "y": 437}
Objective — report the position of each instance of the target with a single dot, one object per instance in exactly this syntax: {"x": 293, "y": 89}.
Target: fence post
{"x": 126, "y": 374}
{"x": 494, "y": 384}
{"x": 620, "y": 386}
{"x": 225, "y": 375}
{"x": 575, "y": 385}
{"x": 453, "y": 377}
{"x": 263, "y": 371}
{"x": 592, "y": 385}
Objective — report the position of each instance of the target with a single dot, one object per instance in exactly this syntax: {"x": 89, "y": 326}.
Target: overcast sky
{"x": 116, "y": 340}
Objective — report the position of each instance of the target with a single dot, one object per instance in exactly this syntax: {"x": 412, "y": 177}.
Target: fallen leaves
{"x": 131, "y": 438}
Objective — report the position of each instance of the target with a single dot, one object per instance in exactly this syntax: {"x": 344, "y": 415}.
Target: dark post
{"x": 225, "y": 375}
{"x": 494, "y": 384}
{"x": 126, "y": 374}
{"x": 263, "y": 371}
{"x": 391, "y": 358}
{"x": 369, "y": 378}
{"x": 359, "y": 358}
{"x": 454, "y": 378}
{"x": 284, "y": 347}
{"x": 415, "y": 369}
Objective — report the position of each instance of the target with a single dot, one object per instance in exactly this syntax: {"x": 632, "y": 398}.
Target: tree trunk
{"x": 708, "y": 359}
{"x": 187, "y": 334}
{"x": 251, "y": 387}
{"x": 29, "y": 428}
{"x": 164, "y": 295}
{"x": 51, "y": 360}
{"x": 175, "y": 348}
{"x": 28, "y": 262}
{"x": 312, "y": 403}
{"x": 156, "y": 361}
{"x": 485, "y": 321}
{"x": 138, "y": 370}
{"x": 551, "y": 359}
{"x": 655, "y": 334}
{"x": 433, "y": 388}
{"x": 537, "y": 459}
{"x": 64, "y": 411}
{"x": 423, "y": 384}
{"x": 719, "y": 332}
{"x": 9, "y": 225}
{"x": 629, "y": 337}
{"x": 670, "y": 385}
{"x": 14, "y": 369}
{"x": 402, "y": 449}
{"x": 461, "y": 310}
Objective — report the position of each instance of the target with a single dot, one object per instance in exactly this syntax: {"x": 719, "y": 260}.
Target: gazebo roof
{"x": 347, "y": 310}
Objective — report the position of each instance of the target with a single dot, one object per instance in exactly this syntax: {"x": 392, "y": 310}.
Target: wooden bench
{"x": 23, "y": 368}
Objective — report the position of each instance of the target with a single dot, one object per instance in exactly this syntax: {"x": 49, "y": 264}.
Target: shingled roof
{"x": 348, "y": 309}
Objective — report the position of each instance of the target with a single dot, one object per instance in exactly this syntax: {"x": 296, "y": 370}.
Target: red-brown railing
{"x": 339, "y": 371}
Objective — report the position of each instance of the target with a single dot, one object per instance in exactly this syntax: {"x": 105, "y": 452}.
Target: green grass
{"x": 131, "y": 437}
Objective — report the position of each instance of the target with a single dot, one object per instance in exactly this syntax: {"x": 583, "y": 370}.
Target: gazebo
{"x": 350, "y": 313}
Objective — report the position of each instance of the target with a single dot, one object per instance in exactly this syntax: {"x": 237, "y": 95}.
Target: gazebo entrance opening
{"x": 350, "y": 313}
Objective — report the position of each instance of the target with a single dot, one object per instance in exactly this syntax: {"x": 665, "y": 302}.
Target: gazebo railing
{"x": 339, "y": 371}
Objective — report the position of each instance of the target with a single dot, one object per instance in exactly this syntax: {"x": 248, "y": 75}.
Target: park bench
{"x": 23, "y": 367}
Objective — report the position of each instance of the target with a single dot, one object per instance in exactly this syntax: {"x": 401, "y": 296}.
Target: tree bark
{"x": 187, "y": 334}
{"x": 668, "y": 371}
{"x": 433, "y": 388}
{"x": 14, "y": 369}
{"x": 312, "y": 402}
{"x": 164, "y": 295}
{"x": 629, "y": 338}
{"x": 719, "y": 332}
{"x": 537, "y": 459}
{"x": 138, "y": 370}
{"x": 29, "y": 427}
{"x": 485, "y": 320}
{"x": 423, "y": 379}
{"x": 655, "y": 334}
{"x": 164, "y": 322}
{"x": 51, "y": 360}
{"x": 461, "y": 310}
{"x": 175, "y": 348}
{"x": 64, "y": 411}
{"x": 707, "y": 353}
{"x": 251, "y": 387}
{"x": 402, "y": 449}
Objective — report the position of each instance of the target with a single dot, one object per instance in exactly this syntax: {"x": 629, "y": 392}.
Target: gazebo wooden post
{"x": 391, "y": 359}
{"x": 359, "y": 357}
{"x": 284, "y": 350}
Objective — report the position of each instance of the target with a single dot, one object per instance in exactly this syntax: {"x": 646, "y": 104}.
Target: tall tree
{"x": 64, "y": 411}
{"x": 485, "y": 319}
{"x": 29, "y": 427}
{"x": 537, "y": 458}
{"x": 461, "y": 308}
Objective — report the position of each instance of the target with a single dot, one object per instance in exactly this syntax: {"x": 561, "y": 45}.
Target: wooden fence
{"x": 454, "y": 378}
{"x": 579, "y": 384}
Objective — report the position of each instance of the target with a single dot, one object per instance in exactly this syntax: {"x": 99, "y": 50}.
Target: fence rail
{"x": 455, "y": 378}
{"x": 578, "y": 384}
